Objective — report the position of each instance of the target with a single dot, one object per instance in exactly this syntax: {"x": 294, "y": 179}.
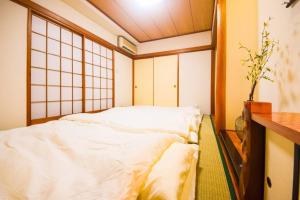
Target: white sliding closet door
{"x": 165, "y": 80}
{"x": 194, "y": 80}
{"x": 143, "y": 82}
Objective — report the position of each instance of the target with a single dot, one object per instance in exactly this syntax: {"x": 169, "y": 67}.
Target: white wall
{"x": 123, "y": 80}
{"x": 181, "y": 42}
{"x": 284, "y": 93}
{"x": 195, "y": 80}
{"x": 13, "y": 48}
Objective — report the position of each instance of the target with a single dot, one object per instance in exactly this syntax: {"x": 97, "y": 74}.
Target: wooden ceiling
{"x": 148, "y": 20}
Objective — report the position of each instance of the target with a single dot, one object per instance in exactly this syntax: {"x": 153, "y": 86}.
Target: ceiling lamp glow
{"x": 148, "y": 2}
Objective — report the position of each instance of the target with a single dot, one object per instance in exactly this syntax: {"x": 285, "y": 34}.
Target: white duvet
{"x": 63, "y": 160}
{"x": 178, "y": 120}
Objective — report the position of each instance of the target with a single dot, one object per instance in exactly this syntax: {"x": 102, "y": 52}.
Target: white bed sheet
{"x": 183, "y": 121}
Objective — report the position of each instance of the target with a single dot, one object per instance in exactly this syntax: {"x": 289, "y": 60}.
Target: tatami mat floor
{"x": 212, "y": 181}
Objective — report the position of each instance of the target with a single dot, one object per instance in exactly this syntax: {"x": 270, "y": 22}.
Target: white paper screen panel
{"x": 53, "y": 93}
{"x": 98, "y": 76}
{"x": 56, "y": 70}
{"x": 53, "y": 62}
{"x": 53, "y": 109}
{"x": 66, "y": 65}
{"x": 38, "y": 42}
{"x": 60, "y": 83}
{"x": 53, "y": 31}
{"x": 53, "y": 47}
{"x": 38, "y": 76}
{"x": 38, "y": 59}
{"x": 38, "y": 25}
{"x": 77, "y": 41}
{"x": 53, "y": 77}
{"x": 66, "y": 36}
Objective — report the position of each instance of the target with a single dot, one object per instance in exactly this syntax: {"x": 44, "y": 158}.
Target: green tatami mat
{"x": 212, "y": 181}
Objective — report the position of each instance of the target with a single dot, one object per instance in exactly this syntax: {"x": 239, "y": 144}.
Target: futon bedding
{"x": 73, "y": 160}
{"x": 173, "y": 176}
{"x": 183, "y": 121}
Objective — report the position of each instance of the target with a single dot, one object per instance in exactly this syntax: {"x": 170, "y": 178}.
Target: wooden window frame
{"x": 84, "y": 36}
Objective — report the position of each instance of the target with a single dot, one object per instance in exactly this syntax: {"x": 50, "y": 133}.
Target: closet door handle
{"x": 174, "y": 86}
{"x": 135, "y": 86}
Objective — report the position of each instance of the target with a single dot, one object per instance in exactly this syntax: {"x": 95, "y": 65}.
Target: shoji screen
{"x": 98, "y": 77}
{"x": 56, "y": 70}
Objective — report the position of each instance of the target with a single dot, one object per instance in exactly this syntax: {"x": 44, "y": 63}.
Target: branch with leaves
{"x": 257, "y": 61}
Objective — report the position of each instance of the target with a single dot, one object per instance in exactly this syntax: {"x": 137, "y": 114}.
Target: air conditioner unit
{"x": 126, "y": 45}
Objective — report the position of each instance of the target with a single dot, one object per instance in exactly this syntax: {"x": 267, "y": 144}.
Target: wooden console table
{"x": 246, "y": 158}
{"x": 288, "y": 126}
{"x": 285, "y": 124}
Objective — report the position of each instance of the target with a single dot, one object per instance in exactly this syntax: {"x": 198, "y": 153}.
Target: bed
{"x": 182, "y": 121}
{"x": 79, "y": 159}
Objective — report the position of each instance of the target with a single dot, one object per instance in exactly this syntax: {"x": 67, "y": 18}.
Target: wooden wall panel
{"x": 142, "y": 17}
{"x": 180, "y": 12}
{"x": 118, "y": 15}
{"x": 163, "y": 20}
{"x": 202, "y": 15}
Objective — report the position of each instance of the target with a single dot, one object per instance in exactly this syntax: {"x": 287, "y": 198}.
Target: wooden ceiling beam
{"x": 172, "y": 52}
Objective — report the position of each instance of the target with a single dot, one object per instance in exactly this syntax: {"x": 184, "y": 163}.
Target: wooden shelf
{"x": 285, "y": 124}
{"x": 236, "y": 141}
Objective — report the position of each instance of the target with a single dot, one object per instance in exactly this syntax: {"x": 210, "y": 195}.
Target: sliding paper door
{"x": 56, "y": 70}
{"x": 143, "y": 82}
{"x": 67, "y": 73}
{"x": 165, "y": 80}
{"x": 98, "y": 77}
{"x": 195, "y": 80}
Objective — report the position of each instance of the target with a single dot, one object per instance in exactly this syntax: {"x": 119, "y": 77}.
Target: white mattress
{"x": 183, "y": 121}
